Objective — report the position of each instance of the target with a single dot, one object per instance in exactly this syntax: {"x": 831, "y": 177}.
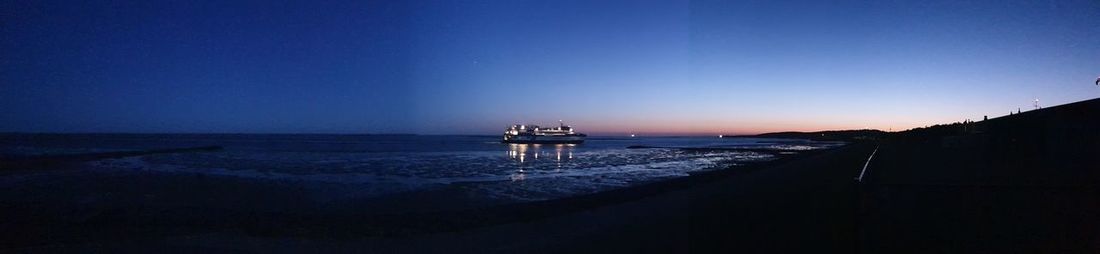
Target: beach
{"x": 616, "y": 212}
{"x": 96, "y": 191}
{"x": 1021, "y": 182}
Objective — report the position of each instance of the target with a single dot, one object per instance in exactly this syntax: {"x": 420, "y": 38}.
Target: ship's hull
{"x": 543, "y": 139}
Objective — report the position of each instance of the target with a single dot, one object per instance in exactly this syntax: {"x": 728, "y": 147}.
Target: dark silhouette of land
{"x": 841, "y": 135}
{"x": 1019, "y": 183}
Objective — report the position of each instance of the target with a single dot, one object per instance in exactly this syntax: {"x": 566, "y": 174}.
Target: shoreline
{"x": 756, "y": 210}
{"x": 453, "y": 220}
{"x": 301, "y": 217}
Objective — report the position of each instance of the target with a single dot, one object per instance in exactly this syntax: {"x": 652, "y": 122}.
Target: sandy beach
{"x": 94, "y": 199}
{"x": 1022, "y": 182}
{"x": 222, "y": 219}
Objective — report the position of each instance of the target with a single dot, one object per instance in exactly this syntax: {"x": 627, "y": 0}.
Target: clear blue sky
{"x": 473, "y": 67}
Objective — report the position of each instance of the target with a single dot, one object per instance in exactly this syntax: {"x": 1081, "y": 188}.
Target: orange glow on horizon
{"x": 720, "y": 127}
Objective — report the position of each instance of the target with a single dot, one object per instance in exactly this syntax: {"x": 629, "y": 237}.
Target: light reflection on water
{"x": 544, "y": 171}
{"x": 520, "y": 152}
{"x": 371, "y": 166}
{"x": 526, "y": 156}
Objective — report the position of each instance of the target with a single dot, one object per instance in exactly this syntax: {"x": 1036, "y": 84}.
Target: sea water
{"x": 380, "y": 165}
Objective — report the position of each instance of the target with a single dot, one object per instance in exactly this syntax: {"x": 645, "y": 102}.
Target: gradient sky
{"x": 473, "y": 67}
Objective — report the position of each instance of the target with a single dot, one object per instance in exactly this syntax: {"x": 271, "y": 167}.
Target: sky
{"x": 475, "y": 67}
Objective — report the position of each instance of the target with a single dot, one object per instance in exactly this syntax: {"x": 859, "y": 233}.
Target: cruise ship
{"x": 533, "y": 134}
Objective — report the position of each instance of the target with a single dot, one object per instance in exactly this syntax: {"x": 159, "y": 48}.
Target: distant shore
{"x": 838, "y": 135}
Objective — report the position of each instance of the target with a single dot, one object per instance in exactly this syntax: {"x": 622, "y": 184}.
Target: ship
{"x": 533, "y": 134}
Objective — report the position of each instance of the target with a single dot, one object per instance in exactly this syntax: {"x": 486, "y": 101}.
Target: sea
{"x": 370, "y": 166}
